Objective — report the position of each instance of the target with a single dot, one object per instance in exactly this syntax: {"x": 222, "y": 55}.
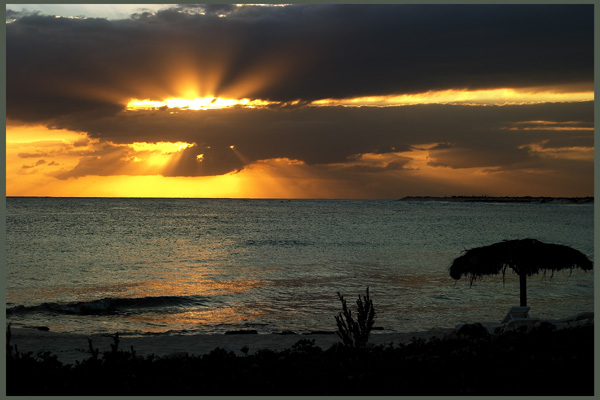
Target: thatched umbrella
{"x": 524, "y": 256}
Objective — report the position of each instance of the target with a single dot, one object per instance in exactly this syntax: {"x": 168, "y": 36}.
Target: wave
{"x": 111, "y": 305}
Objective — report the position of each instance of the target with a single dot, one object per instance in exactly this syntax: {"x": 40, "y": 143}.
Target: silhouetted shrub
{"x": 304, "y": 344}
{"x": 355, "y": 333}
{"x": 543, "y": 362}
{"x": 474, "y": 331}
{"x": 8, "y": 346}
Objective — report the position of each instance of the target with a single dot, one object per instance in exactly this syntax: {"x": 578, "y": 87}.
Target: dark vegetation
{"x": 542, "y": 362}
{"x": 355, "y": 333}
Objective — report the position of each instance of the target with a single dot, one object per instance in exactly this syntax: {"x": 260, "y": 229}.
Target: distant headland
{"x": 507, "y": 199}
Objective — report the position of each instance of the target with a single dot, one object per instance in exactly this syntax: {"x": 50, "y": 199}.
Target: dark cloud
{"x": 105, "y": 161}
{"x": 398, "y": 164}
{"x": 211, "y": 9}
{"x": 12, "y": 15}
{"x": 463, "y": 136}
{"x": 216, "y": 160}
{"x": 61, "y": 66}
{"x": 78, "y": 74}
{"x": 474, "y": 156}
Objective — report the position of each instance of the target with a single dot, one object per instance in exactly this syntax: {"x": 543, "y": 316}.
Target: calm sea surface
{"x": 150, "y": 266}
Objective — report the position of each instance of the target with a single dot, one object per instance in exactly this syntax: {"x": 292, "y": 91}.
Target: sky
{"x": 299, "y": 101}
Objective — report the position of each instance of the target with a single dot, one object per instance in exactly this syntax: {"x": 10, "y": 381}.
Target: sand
{"x": 70, "y": 348}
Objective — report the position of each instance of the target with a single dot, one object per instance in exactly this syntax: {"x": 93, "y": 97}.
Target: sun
{"x": 498, "y": 96}
{"x": 198, "y": 103}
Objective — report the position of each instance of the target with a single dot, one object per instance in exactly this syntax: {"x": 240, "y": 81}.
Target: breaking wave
{"x": 111, "y": 305}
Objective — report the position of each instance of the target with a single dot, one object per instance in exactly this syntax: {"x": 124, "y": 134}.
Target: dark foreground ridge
{"x": 490, "y": 199}
{"x": 544, "y": 361}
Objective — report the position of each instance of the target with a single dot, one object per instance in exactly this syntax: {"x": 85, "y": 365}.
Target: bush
{"x": 509, "y": 364}
{"x": 356, "y": 333}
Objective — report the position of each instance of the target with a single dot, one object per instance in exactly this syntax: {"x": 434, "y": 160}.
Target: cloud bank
{"x": 62, "y": 65}
{"x": 79, "y": 74}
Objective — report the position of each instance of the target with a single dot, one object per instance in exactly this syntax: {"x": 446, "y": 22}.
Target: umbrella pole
{"x": 523, "y": 287}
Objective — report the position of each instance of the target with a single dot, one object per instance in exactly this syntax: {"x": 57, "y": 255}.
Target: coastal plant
{"x": 93, "y": 352}
{"x": 115, "y": 346}
{"x": 8, "y": 336}
{"x": 355, "y": 333}
{"x": 436, "y": 366}
{"x": 303, "y": 345}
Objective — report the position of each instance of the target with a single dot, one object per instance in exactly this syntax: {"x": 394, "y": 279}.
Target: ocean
{"x": 202, "y": 266}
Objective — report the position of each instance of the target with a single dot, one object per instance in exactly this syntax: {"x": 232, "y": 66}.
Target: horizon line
{"x": 305, "y": 198}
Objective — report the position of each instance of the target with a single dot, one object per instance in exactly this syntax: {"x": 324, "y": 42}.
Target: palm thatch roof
{"x": 524, "y": 256}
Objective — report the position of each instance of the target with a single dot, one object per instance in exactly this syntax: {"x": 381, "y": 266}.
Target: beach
{"x": 465, "y": 361}
{"x": 70, "y": 348}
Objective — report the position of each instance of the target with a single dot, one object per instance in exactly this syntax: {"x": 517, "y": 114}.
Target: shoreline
{"x": 467, "y": 362}
{"x": 74, "y": 347}
{"x": 69, "y": 347}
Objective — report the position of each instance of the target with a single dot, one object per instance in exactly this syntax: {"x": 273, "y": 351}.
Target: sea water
{"x": 194, "y": 266}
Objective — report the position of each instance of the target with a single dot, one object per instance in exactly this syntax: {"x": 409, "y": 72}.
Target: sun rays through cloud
{"x": 205, "y": 103}
{"x": 325, "y": 101}
{"x": 502, "y": 96}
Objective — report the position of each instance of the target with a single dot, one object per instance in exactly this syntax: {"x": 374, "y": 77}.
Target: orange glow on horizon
{"x": 61, "y": 163}
{"x": 286, "y": 179}
{"x": 496, "y": 97}
{"x": 32, "y": 169}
